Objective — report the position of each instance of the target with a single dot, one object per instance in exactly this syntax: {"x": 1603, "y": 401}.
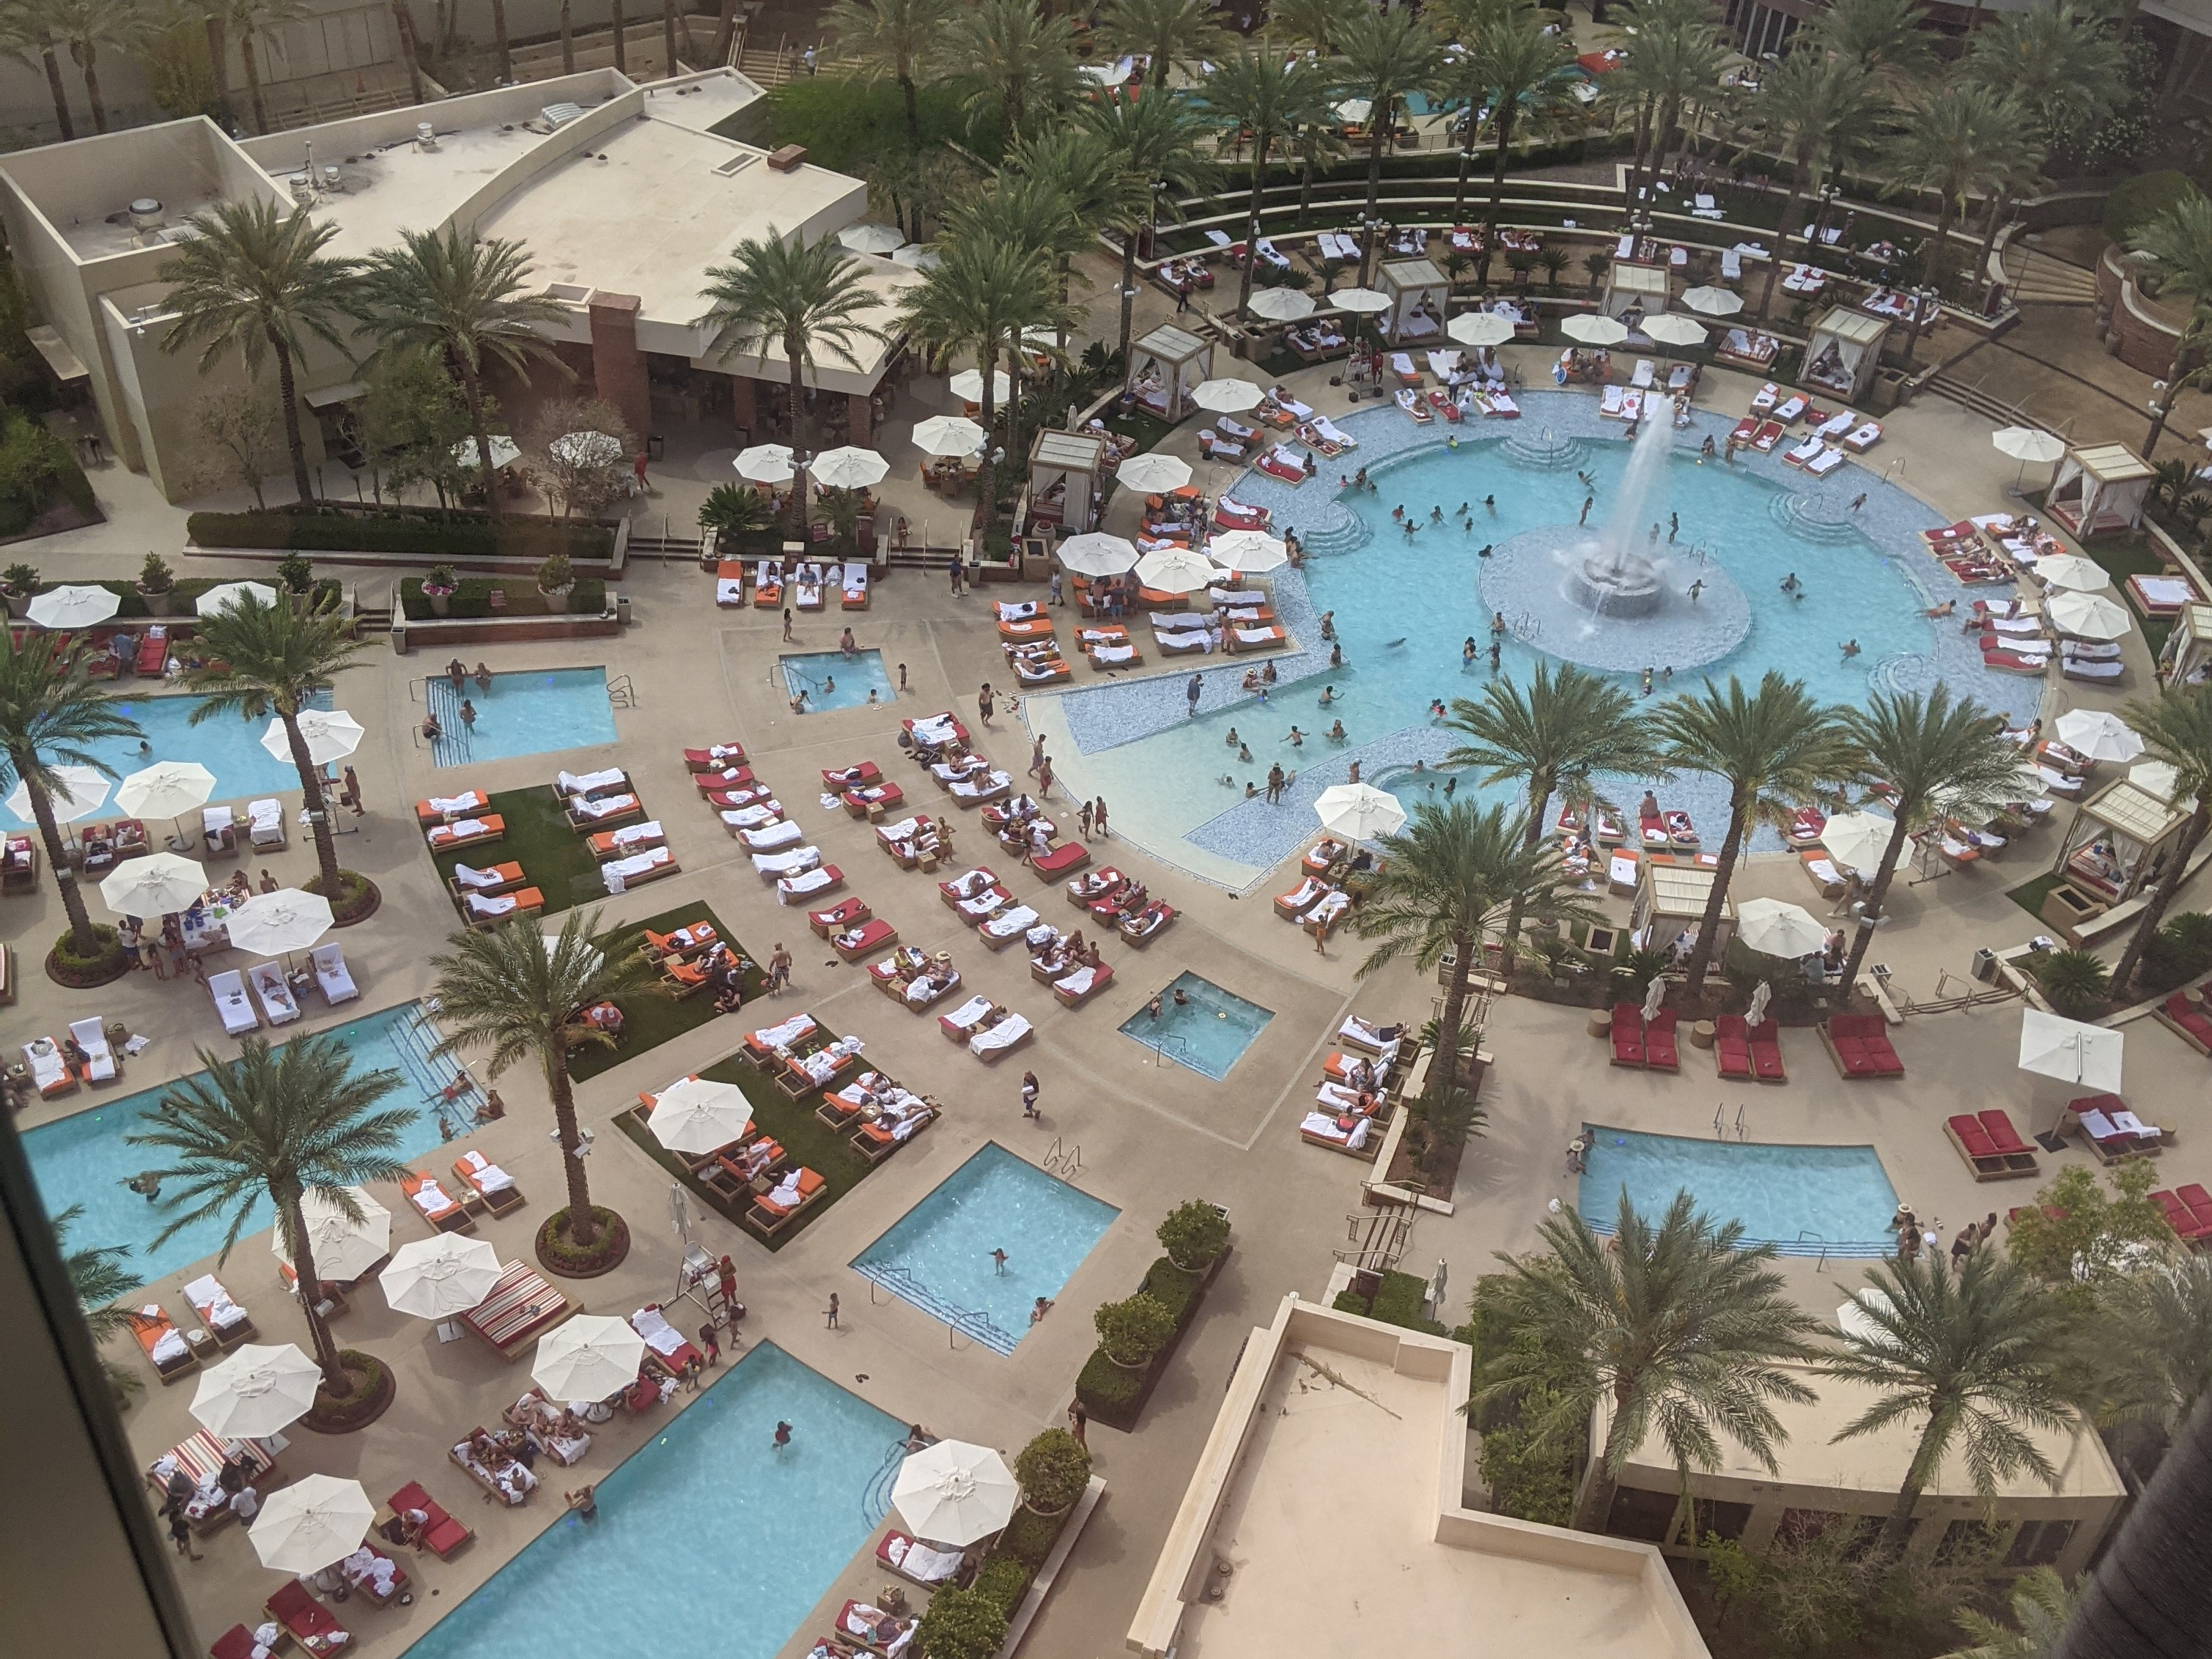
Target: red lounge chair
{"x": 1069, "y": 855}
{"x": 1627, "y": 1034}
{"x": 441, "y": 1533}
{"x": 1860, "y": 1045}
{"x": 1659, "y": 1050}
{"x": 1766, "y": 1039}
{"x": 1274, "y": 465}
{"x": 866, "y": 775}
{"x": 1732, "y": 1049}
{"x": 2188, "y": 1225}
{"x": 728, "y": 779}
{"x": 237, "y": 1642}
{"x": 2199, "y": 1207}
{"x": 2187, "y": 1021}
{"x": 872, "y": 935}
{"x": 709, "y": 760}
{"x": 307, "y": 1620}
{"x": 881, "y": 796}
{"x": 849, "y": 913}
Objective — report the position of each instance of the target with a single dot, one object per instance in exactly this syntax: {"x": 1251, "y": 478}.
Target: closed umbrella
{"x": 1359, "y": 811}
{"x": 968, "y": 385}
{"x": 167, "y": 789}
{"x": 1479, "y": 328}
{"x": 848, "y": 468}
{"x": 221, "y": 599}
{"x": 331, "y": 734}
{"x": 1593, "y": 330}
{"x": 1761, "y": 994}
{"x": 505, "y": 452}
{"x": 955, "y": 1493}
{"x": 438, "y": 1276}
{"x": 586, "y": 448}
{"x": 695, "y": 1115}
{"x": 1153, "y": 474}
{"x": 2089, "y": 616}
{"x": 1176, "y": 570}
{"x": 1096, "y": 554}
{"x": 258, "y": 1390}
{"x": 1857, "y": 841}
{"x": 948, "y": 435}
{"x": 2086, "y": 1057}
{"x": 1775, "y": 928}
{"x": 870, "y": 238}
{"x": 345, "y": 1247}
{"x": 317, "y": 1520}
{"x": 768, "y": 463}
{"x": 2099, "y": 735}
{"x": 78, "y": 792}
{"x": 2071, "y": 570}
{"x": 1227, "y": 397}
{"x": 1248, "y": 549}
{"x": 1713, "y": 301}
{"x": 590, "y": 1357}
{"x": 1280, "y": 305}
{"x": 1669, "y": 330}
{"x": 154, "y": 885}
{"x": 1654, "y": 995}
{"x": 1361, "y": 302}
{"x": 74, "y": 605}
{"x": 269, "y": 924}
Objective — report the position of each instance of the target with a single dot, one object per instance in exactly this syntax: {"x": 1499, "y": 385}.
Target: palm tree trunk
{"x": 1128, "y": 289}
{"x": 1540, "y": 790}
{"x": 621, "y": 51}
{"x": 1251, "y": 259}
{"x": 402, "y": 22}
{"x": 668, "y": 37}
{"x": 287, "y": 391}
{"x": 1453, "y": 1015}
{"x": 2000, "y": 204}
{"x": 1701, "y": 954}
{"x": 1871, "y": 914}
{"x": 1502, "y": 131}
{"x": 319, "y": 818}
{"x": 252, "y": 59}
{"x": 726, "y": 36}
{"x": 567, "y": 41}
{"x": 1899, "y": 1525}
{"x": 1013, "y": 406}
{"x": 1380, "y": 120}
{"x": 1596, "y": 1504}
{"x": 1466, "y": 170}
{"x": 472, "y": 396}
{"x": 87, "y": 54}
{"x": 218, "y": 52}
{"x": 1160, "y": 66}
{"x": 310, "y": 1287}
{"x": 987, "y": 475}
{"x": 2148, "y": 1597}
{"x": 499, "y": 38}
{"x": 57, "y": 89}
{"x": 2169, "y": 883}
{"x": 798, "y": 426}
{"x": 82, "y": 939}
{"x": 1797, "y": 181}
{"x": 1310, "y": 150}
{"x": 583, "y": 1228}
{"x": 1938, "y": 245}
{"x": 2158, "y": 410}
{"x": 910, "y": 100}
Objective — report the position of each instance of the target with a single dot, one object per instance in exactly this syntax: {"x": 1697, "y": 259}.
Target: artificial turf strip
{"x": 552, "y": 855}
{"x": 651, "y": 1018}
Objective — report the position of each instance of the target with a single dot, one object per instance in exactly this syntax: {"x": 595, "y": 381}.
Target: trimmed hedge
{"x": 403, "y": 530}
{"x": 1004, "y": 1580}
{"x": 471, "y": 598}
{"x": 1116, "y": 1396}
{"x": 1397, "y": 1302}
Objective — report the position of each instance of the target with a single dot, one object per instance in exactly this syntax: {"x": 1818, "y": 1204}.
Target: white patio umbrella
{"x": 257, "y": 1390}
{"x": 1176, "y": 570}
{"x": 968, "y": 385}
{"x": 697, "y": 1115}
{"x": 1854, "y": 1317}
{"x": 1359, "y": 812}
{"x": 1761, "y": 994}
{"x": 505, "y": 452}
{"x": 2099, "y": 735}
{"x": 1280, "y": 305}
{"x": 269, "y": 924}
{"x": 74, "y": 605}
{"x": 344, "y": 1248}
{"x": 1713, "y": 301}
{"x": 1479, "y": 328}
{"x": 955, "y": 1493}
{"x": 2087, "y": 1056}
{"x": 154, "y": 885}
{"x": 1354, "y": 109}
{"x": 2089, "y": 616}
{"x": 167, "y": 789}
{"x": 330, "y": 734}
{"x": 1778, "y": 929}
{"x": 1096, "y": 554}
{"x": 948, "y": 435}
{"x": 1857, "y": 841}
{"x": 1251, "y": 550}
{"x": 438, "y": 1276}
{"x": 81, "y": 793}
{"x": 2155, "y": 776}
{"x": 1362, "y": 301}
{"x": 315, "y": 1521}
{"x": 2026, "y": 444}
{"x": 870, "y": 238}
{"x": 2071, "y": 570}
{"x": 229, "y": 593}
{"x": 586, "y": 448}
{"x": 1230, "y": 396}
{"x": 1153, "y": 472}
{"x": 918, "y": 258}
{"x": 1654, "y": 994}
{"x": 1593, "y": 330}
{"x": 1670, "y": 329}
{"x": 848, "y": 468}
{"x": 768, "y": 464}
{"x": 590, "y": 1357}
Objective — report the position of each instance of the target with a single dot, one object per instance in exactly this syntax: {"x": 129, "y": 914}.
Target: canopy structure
{"x": 2087, "y": 1056}
{"x": 1420, "y": 295}
{"x": 2119, "y": 840}
{"x": 1164, "y": 367}
{"x": 1359, "y": 811}
{"x": 1844, "y": 352}
{"x": 1670, "y": 907}
{"x": 2099, "y": 489}
{"x": 1630, "y": 286}
{"x": 2185, "y": 658}
{"x": 1067, "y": 472}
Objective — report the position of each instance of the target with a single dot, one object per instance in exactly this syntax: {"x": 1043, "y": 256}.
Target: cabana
{"x": 1641, "y": 288}
{"x": 1066, "y": 472}
{"x": 1843, "y": 353}
{"x": 2119, "y": 842}
{"x": 2099, "y": 488}
{"x": 1420, "y": 296}
{"x": 1670, "y": 905}
{"x": 1164, "y": 367}
{"x": 2186, "y": 657}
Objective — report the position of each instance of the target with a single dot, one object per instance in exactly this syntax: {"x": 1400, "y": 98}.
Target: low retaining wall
{"x": 435, "y": 634}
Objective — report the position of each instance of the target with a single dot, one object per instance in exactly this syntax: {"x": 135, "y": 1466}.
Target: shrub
{"x": 296, "y": 574}
{"x": 1030, "y": 1536}
{"x": 421, "y": 531}
{"x": 1132, "y": 1330}
{"x": 2077, "y": 981}
{"x": 1053, "y": 1469}
{"x": 728, "y": 508}
{"x": 556, "y": 574}
{"x": 2179, "y": 952}
{"x": 1104, "y": 1386}
{"x": 21, "y": 578}
{"x": 155, "y": 576}
{"x": 2140, "y": 199}
{"x": 961, "y": 1624}
{"x": 1171, "y": 1287}
{"x": 471, "y": 597}
{"x": 1194, "y": 1233}
{"x": 1002, "y": 1582}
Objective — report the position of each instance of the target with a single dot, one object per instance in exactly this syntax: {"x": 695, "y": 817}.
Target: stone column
{"x": 617, "y": 365}
{"x": 743, "y": 413}
{"x": 859, "y": 411}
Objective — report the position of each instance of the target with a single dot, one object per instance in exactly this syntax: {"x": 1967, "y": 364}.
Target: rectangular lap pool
{"x": 938, "y": 1256}
{"x": 522, "y": 714}
{"x": 708, "y": 1539}
{"x": 830, "y": 679}
{"x": 1804, "y": 1200}
{"x": 1199, "y": 1025}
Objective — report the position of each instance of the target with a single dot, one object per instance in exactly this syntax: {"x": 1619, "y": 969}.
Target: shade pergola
{"x": 1420, "y": 295}
{"x": 1632, "y": 286}
{"x": 1670, "y": 901}
{"x": 1067, "y": 473}
{"x": 2099, "y": 489}
{"x": 2119, "y": 840}
{"x": 1844, "y": 352}
{"x": 1164, "y": 367}
{"x": 2186, "y": 657}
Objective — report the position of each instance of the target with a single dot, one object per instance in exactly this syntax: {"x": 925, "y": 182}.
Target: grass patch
{"x": 650, "y": 1019}
{"x": 2030, "y": 895}
{"x": 1147, "y": 429}
{"x": 554, "y": 858}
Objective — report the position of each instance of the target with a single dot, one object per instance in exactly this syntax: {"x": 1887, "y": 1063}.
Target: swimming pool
{"x": 833, "y": 680}
{"x": 1806, "y": 1200}
{"x": 937, "y": 1256}
{"x": 226, "y": 745}
{"x": 522, "y": 714}
{"x": 83, "y": 1158}
{"x": 1208, "y": 1034}
{"x": 706, "y": 1538}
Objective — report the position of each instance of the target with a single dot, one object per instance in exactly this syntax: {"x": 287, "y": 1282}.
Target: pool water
{"x": 1804, "y": 1200}
{"x": 708, "y": 1539}
{"x": 1208, "y": 1034}
{"x": 227, "y": 745}
{"x": 522, "y": 714}
{"x": 939, "y": 1254}
{"x": 83, "y": 1158}
{"x": 833, "y": 680}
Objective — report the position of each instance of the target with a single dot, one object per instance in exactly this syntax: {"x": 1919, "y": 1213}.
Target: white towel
{"x": 469, "y": 877}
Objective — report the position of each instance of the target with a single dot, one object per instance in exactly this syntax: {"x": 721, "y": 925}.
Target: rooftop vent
{"x": 736, "y": 164}
{"x": 426, "y": 136}
{"x": 559, "y": 115}
{"x": 146, "y": 213}
{"x": 302, "y": 187}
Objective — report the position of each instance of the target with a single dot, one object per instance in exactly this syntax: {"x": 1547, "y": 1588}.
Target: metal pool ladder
{"x": 620, "y": 693}
{"x": 1064, "y": 1161}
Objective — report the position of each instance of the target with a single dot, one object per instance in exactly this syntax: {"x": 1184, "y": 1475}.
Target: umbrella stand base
{"x": 371, "y": 1400}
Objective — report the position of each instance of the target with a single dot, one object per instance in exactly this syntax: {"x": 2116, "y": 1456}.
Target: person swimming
{"x": 1392, "y": 645}
{"x": 1851, "y": 649}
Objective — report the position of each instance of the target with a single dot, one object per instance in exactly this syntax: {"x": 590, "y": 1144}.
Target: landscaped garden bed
{"x": 554, "y": 859}
{"x": 1138, "y": 1337}
{"x": 476, "y": 598}
{"x": 423, "y": 532}
{"x": 653, "y": 1017}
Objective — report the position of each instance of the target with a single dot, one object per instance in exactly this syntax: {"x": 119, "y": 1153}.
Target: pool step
{"x": 1800, "y": 516}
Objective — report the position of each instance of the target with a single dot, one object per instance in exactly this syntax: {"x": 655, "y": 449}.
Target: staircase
{"x": 1973, "y": 399}
{"x": 2037, "y": 279}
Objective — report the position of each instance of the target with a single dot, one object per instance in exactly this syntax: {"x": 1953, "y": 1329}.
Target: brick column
{"x": 617, "y": 365}
{"x": 859, "y": 410}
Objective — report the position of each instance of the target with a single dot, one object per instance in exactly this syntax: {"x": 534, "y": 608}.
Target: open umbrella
{"x": 2098, "y": 735}
{"x": 2071, "y": 570}
{"x": 2089, "y": 616}
{"x": 1252, "y": 550}
{"x": 315, "y": 1521}
{"x": 1713, "y": 301}
{"x": 1761, "y": 994}
{"x": 1155, "y": 473}
{"x": 1177, "y": 569}
{"x": 968, "y": 385}
{"x": 948, "y": 435}
{"x": 1854, "y": 1317}
{"x": 1654, "y": 995}
{"x": 74, "y": 605}
{"x": 1593, "y": 330}
{"x": 1479, "y": 328}
{"x": 154, "y": 885}
{"x": 586, "y": 448}
{"x": 916, "y": 256}
{"x": 269, "y": 924}
{"x": 848, "y": 468}
{"x": 1669, "y": 330}
{"x": 590, "y": 1357}
{"x": 870, "y": 238}
{"x": 2154, "y": 776}
{"x": 1354, "y": 109}
{"x": 1227, "y": 397}
{"x": 1775, "y": 928}
{"x": 505, "y": 452}
{"x": 695, "y": 1115}
{"x": 330, "y": 734}
{"x": 1359, "y": 811}
{"x": 768, "y": 464}
{"x": 258, "y": 1390}
{"x": 2026, "y": 444}
{"x": 1361, "y": 302}
{"x": 438, "y": 1276}
{"x": 1096, "y": 554}
{"x": 81, "y": 793}
{"x": 167, "y": 789}
{"x": 955, "y": 1493}
{"x": 2086, "y": 1057}
{"x": 1280, "y": 305}
{"x": 221, "y": 599}
{"x": 344, "y": 1248}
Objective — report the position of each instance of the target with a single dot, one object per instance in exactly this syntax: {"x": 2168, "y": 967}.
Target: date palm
{"x": 2176, "y": 251}
{"x": 520, "y": 994}
{"x": 1956, "y": 138}
{"x": 2040, "y": 1603}
{"x": 1264, "y": 96}
{"x": 85, "y": 26}
{"x": 1964, "y": 1356}
{"x": 2145, "y": 1600}
{"x": 1013, "y": 58}
{"x": 1167, "y": 32}
{"x": 2154, "y": 1338}
{"x": 1043, "y": 211}
{"x": 258, "y": 284}
{"x": 1889, "y": 38}
{"x": 1516, "y": 69}
{"x": 2176, "y": 727}
{"x": 1384, "y": 55}
{"x": 242, "y": 21}
{"x": 1153, "y": 141}
{"x": 895, "y": 40}
{"x": 1940, "y": 759}
{"x": 279, "y": 1123}
{"x": 1818, "y": 111}
{"x": 468, "y": 303}
{"x": 1679, "y": 1326}
{"x": 274, "y": 659}
{"x": 1773, "y": 748}
{"x": 50, "y": 714}
{"x": 98, "y": 1276}
{"x": 28, "y": 36}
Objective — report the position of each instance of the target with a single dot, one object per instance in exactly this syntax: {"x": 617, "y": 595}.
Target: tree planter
{"x": 1102, "y": 1384}
{"x": 110, "y": 965}
{"x": 18, "y": 603}
{"x": 157, "y": 599}
{"x": 369, "y": 1402}
{"x": 361, "y": 899}
{"x": 565, "y": 1262}
{"x": 557, "y": 599}
{"x": 442, "y": 605}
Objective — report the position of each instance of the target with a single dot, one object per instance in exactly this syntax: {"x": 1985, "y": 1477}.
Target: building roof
{"x": 2112, "y": 464}
{"x": 1401, "y": 275}
{"x": 2133, "y": 811}
{"x": 1858, "y": 328}
{"x": 1171, "y": 343}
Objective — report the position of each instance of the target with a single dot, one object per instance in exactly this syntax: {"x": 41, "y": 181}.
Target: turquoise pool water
{"x": 939, "y": 1254}
{"x": 526, "y": 714}
{"x": 833, "y": 680}
{"x": 1802, "y": 1199}
{"x": 708, "y": 1539}
{"x": 226, "y": 745}
{"x": 1208, "y": 1034}
{"x": 83, "y": 1158}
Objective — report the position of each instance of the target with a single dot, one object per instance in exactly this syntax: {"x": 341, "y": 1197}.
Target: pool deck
{"x": 1149, "y": 1136}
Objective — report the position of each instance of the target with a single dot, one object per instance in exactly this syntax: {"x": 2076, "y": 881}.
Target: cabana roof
{"x": 1069, "y": 452}
{"x": 1171, "y": 343}
{"x": 2112, "y": 464}
{"x": 1401, "y": 275}
{"x": 1856, "y": 328}
{"x": 1682, "y": 889}
{"x": 2132, "y": 810}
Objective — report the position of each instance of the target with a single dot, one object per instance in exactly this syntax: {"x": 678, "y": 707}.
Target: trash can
{"x": 622, "y": 610}
{"x": 1985, "y": 966}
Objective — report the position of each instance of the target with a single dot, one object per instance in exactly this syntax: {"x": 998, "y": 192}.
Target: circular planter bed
{"x": 562, "y": 1260}
{"x": 360, "y": 899}
{"x": 111, "y": 961}
{"x": 373, "y": 1395}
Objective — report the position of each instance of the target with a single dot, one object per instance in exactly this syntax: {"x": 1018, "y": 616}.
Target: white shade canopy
{"x": 1778, "y": 929}
{"x": 1857, "y": 1316}
{"x": 271, "y": 924}
{"x": 586, "y": 448}
{"x": 765, "y": 464}
{"x": 154, "y": 885}
{"x": 505, "y": 452}
{"x": 1177, "y": 569}
{"x": 257, "y": 1390}
{"x": 913, "y": 254}
{"x": 344, "y": 1248}
{"x": 848, "y": 468}
{"x": 1479, "y": 328}
{"x": 948, "y": 435}
{"x": 1229, "y": 396}
{"x": 1354, "y": 109}
{"x": 1247, "y": 550}
{"x": 590, "y": 1357}
{"x": 1363, "y": 301}
{"x": 2098, "y": 734}
{"x": 1280, "y": 305}
{"x": 2028, "y": 444}
{"x": 164, "y": 789}
{"x": 330, "y": 734}
{"x": 2071, "y": 570}
{"x": 968, "y": 385}
{"x": 955, "y": 1493}
{"x": 1857, "y": 841}
{"x": 1713, "y": 301}
{"x": 438, "y": 1276}
{"x": 2089, "y": 616}
{"x": 1593, "y": 330}
{"x": 1096, "y": 554}
{"x": 74, "y": 604}
{"x": 317, "y": 1520}
{"x": 1669, "y": 330}
{"x": 1359, "y": 811}
{"x": 695, "y": 1115}
{"x": 1153, "y": 472}
{"x": 870, "y": 238}
{"x": 2086, "y": 1057}
{"x": 2156, "y": 777}
{"x": 222, "y": 597}
{"x": 81, "y": 793}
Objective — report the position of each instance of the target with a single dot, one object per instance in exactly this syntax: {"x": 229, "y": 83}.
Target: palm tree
{"x": 1167, "y": 32}
{"x": 2176, "y": 250}
{"x": 1815, "y": 110}
{"x": 85, "y": 26}
{"x": 1266, "y": 95}
{"x": 2136, "y": 1605}
{"x": 1966, "y": 1355}
{"x": 1518, "y": 69}
{"x": 279, "y": 1122}
{"x": 1679, "y": 1327}
{"x": 403, "y": 24}
{"x": 2041, "y": 1604}
{"x": 2176, "y": 727}
{"x": 1318, "y": 26}
{"x": 1889, "y": 38}
{"x": 26, "y": 32}
{"x": 276, "y": 659}
{"x": 518, "y": 992}
{"x": 2065, "y": 66}
{"x": 1956, "y": 137}
{"x": 244, "y": 20}
{"x": 1448, "y": 878}
{"x": 798, "y": 297}
{"x": 1014, "y": 58}
{"x": 1774, "y": 749}
{"x": 893, "y": 38}
{"x": 1154, "y": 141}
{"x": 1679, "y": 55}
{"x": 1558, "y": 733}
{"x": 1043, "y": 199}
{"x": 50, "y": 714}
{"x": 1384, "y": 56}
{"x": 98, "y": 1276}
{"x": 251, "y": 282}
{"x": 2155, "y": 1342}
{"x": 468, "y": 303}
{"x": 1939, "y": 759}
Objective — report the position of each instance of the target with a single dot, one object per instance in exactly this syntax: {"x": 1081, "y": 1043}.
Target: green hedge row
{"x": 1114, "y": 1395}
{"x": 1397, "y": 1302}
{"x": 471, "y": 598}
{"x": 404, "y": 531}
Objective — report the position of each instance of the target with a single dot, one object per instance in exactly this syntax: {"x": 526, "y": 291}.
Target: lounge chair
{"x": 848, "y": 913}
{"x": 1007, "y": 926}
{"x": 332, "y": 976}
{"x": 729, "y": 582}
{"x": 1732, "y": 1049}
{"x": 510, "y": 1483}
{"x": 1069, "y": 855}
{"x": 228, "y": 990}
{"x": 99, "y": 1064}
{"x": 794, "y": 890}
{"x": 491, "y": 880}
{"x": 2187, "y": 1021}
{"x": 1860, "y": 1046}
{"x": 521, "y": 1308}
{"x": 918, "y": 1563}
{"x": 477, "y": 1173}
{"x": 1346, "y": 1133}
{"x": 309, "y": 1625}
{"x": 485, "y": 914}
{"x": 1627, "y": 1035}
{"x": 441, "y": 1533}
{"x": 1073, "y": 990}
{"x": 856, "y": 943}
{"x": 274, "y": 992}
{"x": 445, "y": 1212}
{"x": 1143, "y": 926}
{"x": 774, "y": 1211}
{"x": 467, "y": 832}
{"x": 264, "y": 825}
{"x": 666, "y": 1346}
{"x": 622, "y": 874}
{"x": 632, "y": 838}
{"x": 1991, "y": 1146}
{"x": 446, "y": 809}
{"x": 1357, "y": 1033}
{"x": 228, "y": 1322}
{"x": 608, "y": 780}
{"x": 539, "y": 1419}
{"x": 1000, "y": 1037}
{"x": 588, "y": 812}
{"x": 967, "y": 1019}
{"x": 165, "y": 1347}
{"x": 761, "y": 1047}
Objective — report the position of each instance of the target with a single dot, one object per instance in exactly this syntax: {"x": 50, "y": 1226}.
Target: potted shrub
{"x": 157, "y": 584}
{"x": 962, "y": 1624}
{"x": 19, "y": 585}
{"x": 439, "y": 588}
{"x": 1054, "y": 1468}
{"x": 1193, "y": 1235}
{"x": 556, "y": 580}
{"x": 297, "y": 577}
{"x": 1131, "y": 1331}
